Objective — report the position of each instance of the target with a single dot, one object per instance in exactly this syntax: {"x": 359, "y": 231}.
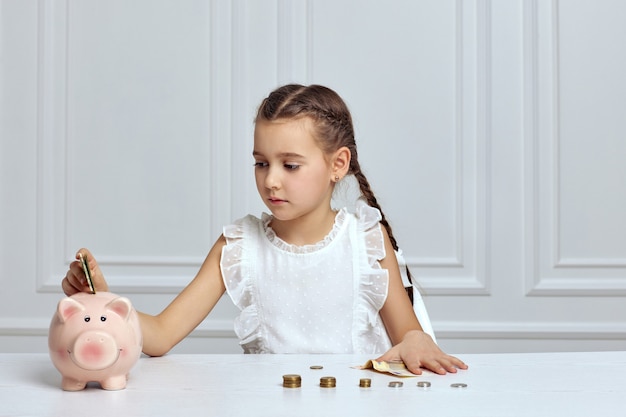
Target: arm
{"x": 411, "y": 345}
{"x": 181, "y": 316}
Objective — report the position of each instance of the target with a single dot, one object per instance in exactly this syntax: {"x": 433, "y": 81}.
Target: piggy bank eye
{"x": 103, "y": 318}
{"x": 87, "y": 319}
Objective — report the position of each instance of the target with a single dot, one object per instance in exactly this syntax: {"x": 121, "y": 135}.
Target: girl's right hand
{"x": 75, "y": 280}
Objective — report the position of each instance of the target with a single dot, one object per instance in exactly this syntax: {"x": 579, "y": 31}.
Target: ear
{"x": 67, "y": 307}
{"x": 340, "y": 162}
{"x": 120, "y": 306}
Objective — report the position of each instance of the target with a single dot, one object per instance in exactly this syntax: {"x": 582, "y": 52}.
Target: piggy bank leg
{"x": 71, "y": 384}
{"x": 114, "y": 383}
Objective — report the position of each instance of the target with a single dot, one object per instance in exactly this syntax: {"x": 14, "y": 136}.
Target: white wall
{"x": 492, "y": 132}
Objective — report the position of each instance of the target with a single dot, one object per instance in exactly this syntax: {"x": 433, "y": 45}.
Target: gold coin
{"x": 316, "y": 367}
{"x": 328, "y": 382}
{"x": 292, "y": 381}
{"x": 365, "y": 383}
{"x": 83, "y": 262}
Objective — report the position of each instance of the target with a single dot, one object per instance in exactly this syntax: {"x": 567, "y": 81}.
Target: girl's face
{"x": 293, "y": 176}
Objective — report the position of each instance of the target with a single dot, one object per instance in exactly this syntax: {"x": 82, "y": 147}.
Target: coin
{"x": 365, "y": 383}
{"x": 395, "y": 384}
{"x": 316, "y": 367}
{"x": 83, "y": 261}
{"x": 423, "y": 384}
{"x": 292, "y": 381}
{"x": 328, "y": 382}
{"x": 458, "y": 385}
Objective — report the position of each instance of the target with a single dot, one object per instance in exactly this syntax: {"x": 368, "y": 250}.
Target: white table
{"x": 547, "y": 384}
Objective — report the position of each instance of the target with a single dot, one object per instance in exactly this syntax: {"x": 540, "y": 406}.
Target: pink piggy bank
{"x": 94, "y": 338}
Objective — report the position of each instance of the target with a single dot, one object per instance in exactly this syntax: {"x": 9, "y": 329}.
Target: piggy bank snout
{"x": 94, "y": 350}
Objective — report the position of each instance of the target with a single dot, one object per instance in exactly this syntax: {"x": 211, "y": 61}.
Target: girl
{"x": 308, "y": 278}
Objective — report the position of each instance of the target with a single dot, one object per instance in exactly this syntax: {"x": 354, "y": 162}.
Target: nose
{"x": 272, "y": 179}
{"x": 95, "y": 350}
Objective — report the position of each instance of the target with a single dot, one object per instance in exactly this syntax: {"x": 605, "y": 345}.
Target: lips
{"x": 274, "y": 200}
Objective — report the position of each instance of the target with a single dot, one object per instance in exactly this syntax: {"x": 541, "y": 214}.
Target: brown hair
{"x": 333, "y": 129}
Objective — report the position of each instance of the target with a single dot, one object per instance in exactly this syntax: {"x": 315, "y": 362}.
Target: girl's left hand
{"x": 418, "y": 350}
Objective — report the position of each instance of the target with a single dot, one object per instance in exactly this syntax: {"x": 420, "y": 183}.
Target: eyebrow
{"x": 281, "y": 155}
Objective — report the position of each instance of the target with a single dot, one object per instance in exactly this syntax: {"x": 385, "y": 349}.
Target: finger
{"x": 435, "y": 366}
{"x": 414, "y": 368}
{"x": 448, "y": 366}
{"x": 445, "y": 364}
{"x": 389, "y": 356}
{"x": 68, "y": 288}
{"x": 458, "y": 362}
{"x": 76, "y": 276}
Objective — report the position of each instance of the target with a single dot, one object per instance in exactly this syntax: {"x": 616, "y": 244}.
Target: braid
{"x": 366, "y": 191}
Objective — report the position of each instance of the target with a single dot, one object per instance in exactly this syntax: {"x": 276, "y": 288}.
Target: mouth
{"x": 276, "y": 201}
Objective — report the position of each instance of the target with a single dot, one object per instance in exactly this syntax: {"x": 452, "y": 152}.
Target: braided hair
{"x": 333, "y": 129}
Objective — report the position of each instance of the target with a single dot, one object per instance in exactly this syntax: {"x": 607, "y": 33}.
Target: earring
{"x": 336, "y": 178}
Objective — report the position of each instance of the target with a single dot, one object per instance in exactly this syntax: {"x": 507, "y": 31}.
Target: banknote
{"x": 396, "y": 368}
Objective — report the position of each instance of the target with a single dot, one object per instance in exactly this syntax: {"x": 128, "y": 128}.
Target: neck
{"x": 305, "y": 230}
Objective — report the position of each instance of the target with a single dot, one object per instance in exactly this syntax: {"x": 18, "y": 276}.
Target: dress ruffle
{"x": 373, "y": 284}
{"x": 239, "y": 278}
{"x": 288, "y": 247}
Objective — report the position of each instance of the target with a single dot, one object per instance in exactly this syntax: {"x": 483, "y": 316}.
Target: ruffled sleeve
{"x": 237, "y": 268}
{"x": 370, "y": 335}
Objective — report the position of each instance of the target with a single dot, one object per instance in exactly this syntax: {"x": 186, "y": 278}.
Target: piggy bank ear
{"x": 120, "y": 306}
{"x": 68, "y": 307}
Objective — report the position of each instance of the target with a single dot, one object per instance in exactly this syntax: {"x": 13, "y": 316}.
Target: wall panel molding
{"x": 468, "y": 272}
{"x": 51, "y": 143}
{"x": 54, "y": 152}
{"x": 547, "y": 272}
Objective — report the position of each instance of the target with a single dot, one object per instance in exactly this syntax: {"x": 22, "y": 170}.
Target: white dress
{"x": 321, "y": 298}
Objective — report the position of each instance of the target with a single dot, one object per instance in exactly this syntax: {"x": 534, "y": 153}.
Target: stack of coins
{"x": 365, "y": 383}
{"x": 328, "y": 382}
{"x": 292, "y": 381}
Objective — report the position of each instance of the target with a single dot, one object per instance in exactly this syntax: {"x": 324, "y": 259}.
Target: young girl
{"x": 307, "y": 278}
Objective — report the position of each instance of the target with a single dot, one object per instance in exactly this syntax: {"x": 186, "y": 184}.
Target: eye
{"x": 87, "y": 319}
{"x": 103, "y": 318}
{"x": 291, "y": 167}
{"x": 260, "y": 164}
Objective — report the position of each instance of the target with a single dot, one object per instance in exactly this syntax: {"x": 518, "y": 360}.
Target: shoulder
{"x": 367, "y": 217}
{"x": 244, "y": 225}
{"x": 370, "y": 232}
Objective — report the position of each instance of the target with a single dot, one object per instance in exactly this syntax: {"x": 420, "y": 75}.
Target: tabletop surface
{"x": 537, "y": 384}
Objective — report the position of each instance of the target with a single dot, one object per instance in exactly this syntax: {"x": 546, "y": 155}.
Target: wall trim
{"x": 444, "y": 330}
{"x": 531, "y": 330}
